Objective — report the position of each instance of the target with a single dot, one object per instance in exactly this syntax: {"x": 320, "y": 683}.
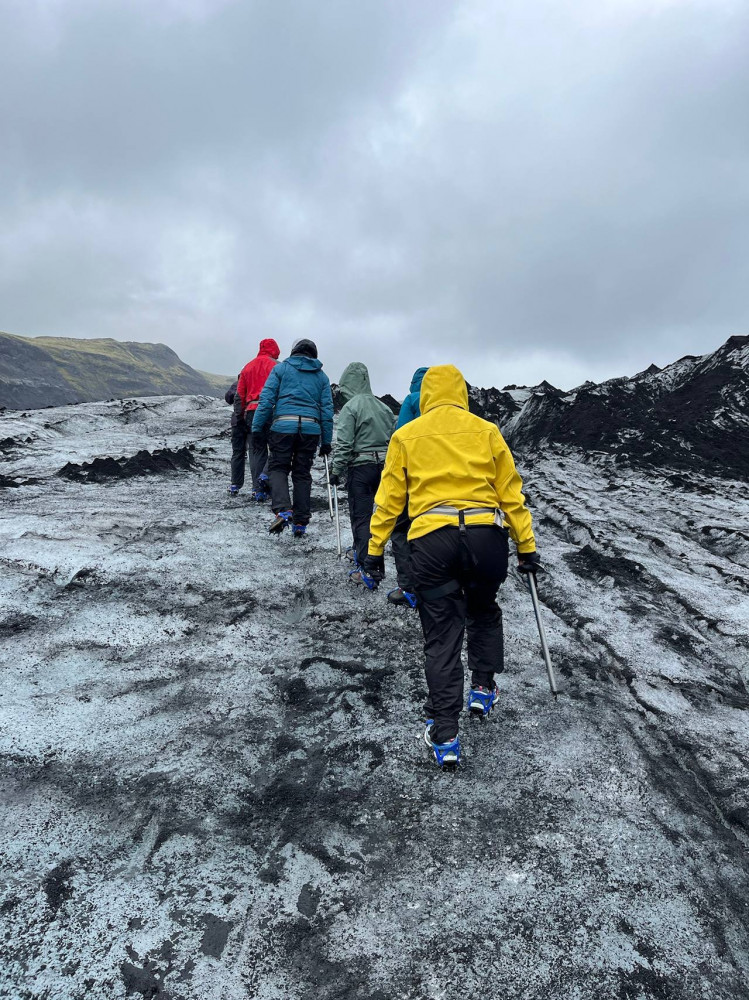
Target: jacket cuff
{"x": 373, "y": 549}
{"x": 525, "y": 548}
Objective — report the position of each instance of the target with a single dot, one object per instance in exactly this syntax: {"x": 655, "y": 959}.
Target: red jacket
{"x": 253, "y": 375}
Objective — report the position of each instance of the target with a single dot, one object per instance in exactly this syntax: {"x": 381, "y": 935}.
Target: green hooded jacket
{"x": 365, "y": 425}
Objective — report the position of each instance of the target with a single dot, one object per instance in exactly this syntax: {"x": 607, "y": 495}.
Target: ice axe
{"x": 337, "y": 521}
{"x": 531, "y": 578}
{"x": 333, "y": 507}
{"x": 330, "y": 488}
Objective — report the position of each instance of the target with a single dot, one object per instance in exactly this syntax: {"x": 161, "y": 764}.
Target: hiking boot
{"x": 350, "y": 554}
{"x": 283, "y": 517}
{"x": 298, "y": 530}
{"x": 259, "y": 496}
{"x": 233, "y": 490}
{"x": 446, "y": 754}
{"x": 360, "y": 578}
{"x": 481, "y": 700}
{"x": 402, "y": 598}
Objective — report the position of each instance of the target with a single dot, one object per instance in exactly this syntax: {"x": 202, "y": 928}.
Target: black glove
{"x": 259, "y": 440}
{"x": 325, "y": 449}
{"x": 374, "y": 566}
{"x": 529, "y": 562}
{"x": 334, "y": 479}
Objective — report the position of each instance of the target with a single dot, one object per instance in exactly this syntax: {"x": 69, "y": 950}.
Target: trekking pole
{"x": 337, "y": 521}
{"x": 330, "y": 489}
{"x": 542, "y": 633}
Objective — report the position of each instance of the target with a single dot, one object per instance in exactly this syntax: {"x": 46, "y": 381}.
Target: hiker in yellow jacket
{"x": 464, "y": 499}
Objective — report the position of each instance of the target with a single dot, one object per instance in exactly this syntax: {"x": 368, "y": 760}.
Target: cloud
{"x": 531, "y": 190}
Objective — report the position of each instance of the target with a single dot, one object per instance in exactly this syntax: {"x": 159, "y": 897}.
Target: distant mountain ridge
{"x": 690, "y": 415}
{"x": 53, "y": 371}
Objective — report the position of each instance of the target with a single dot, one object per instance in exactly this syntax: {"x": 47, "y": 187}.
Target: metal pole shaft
{"x": 337, "y": 521}
{"x": 330, "y": 491}
{"x": 542, "y": 634}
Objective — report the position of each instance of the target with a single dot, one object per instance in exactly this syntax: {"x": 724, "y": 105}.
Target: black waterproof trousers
{"x": 470, "y": 565}
{"x": 241, "y": 441}
{"x": 362, "y": 482}
{"x": 402, "y": 552}
{"x": 292, "y": 453}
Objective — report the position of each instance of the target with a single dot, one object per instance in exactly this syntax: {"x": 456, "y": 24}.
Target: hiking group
{"x": 440, "y": 484}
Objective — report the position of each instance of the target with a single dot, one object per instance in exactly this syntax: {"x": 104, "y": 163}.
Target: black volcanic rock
{"x": 338, "y": 400}
{"x": 145, "y": 463}
{"x": 496, "y": 405}
{"x": 391, "y": 402}
{"x": 691, "y": 415}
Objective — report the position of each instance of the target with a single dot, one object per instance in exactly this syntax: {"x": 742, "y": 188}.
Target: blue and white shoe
{"x": 259, "y": 496}
{"x": 482, "y": 700}
{"x": 283, "y": 517}
{"x": 298, "y": 530}
{"x": 446, "y": 754}
{"x": 233, "y": 490}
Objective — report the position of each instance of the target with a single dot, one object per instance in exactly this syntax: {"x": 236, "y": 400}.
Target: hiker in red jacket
{"x": 250, "y": 384}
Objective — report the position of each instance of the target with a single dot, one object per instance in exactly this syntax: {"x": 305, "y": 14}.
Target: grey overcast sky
{"x": 526, "y": 188}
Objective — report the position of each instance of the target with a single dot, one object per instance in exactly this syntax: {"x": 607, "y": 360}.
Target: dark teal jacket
{"x": 410, "y": 409}
{"x": 298, "y": 387}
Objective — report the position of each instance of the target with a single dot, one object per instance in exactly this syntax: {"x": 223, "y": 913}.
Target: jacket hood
{"x": 304, "y": 346}
{"x": 303, "y": 363}
{"x": 417, "y": 379}
{"x": 270, "y": 348}
{"x": 354, "y": 381}
{"x": 443, "y": 385}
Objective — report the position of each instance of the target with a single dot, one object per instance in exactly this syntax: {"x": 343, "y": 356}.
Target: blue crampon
{"x": 361, "y": 579}
{"x": 482, "y": 700}
{"x": 444, "y": 753}
{"x": 262, "y": 493}
{"x": 299, "y": 530}
{"x": 283, "y": 517}
{"x": 402, "y": 598}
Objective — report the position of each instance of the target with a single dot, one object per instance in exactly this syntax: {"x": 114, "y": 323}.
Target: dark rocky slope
{"x": 52, "y": 371}
{"x": 692, "y": 415}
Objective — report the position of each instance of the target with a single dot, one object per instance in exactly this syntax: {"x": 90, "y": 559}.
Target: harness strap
{"x": 289, "y": 416}
{"x": 435, "y": 593}
{"x": 445, "y": 510}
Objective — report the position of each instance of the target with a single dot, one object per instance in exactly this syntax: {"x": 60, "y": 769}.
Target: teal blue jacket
{"x": 298, "y": 387}
{"x": 411, "y": 409}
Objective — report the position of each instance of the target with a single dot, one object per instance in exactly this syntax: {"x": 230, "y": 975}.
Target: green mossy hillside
{"x": 52, "y": 371}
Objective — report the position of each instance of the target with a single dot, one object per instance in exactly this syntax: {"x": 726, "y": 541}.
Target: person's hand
{"x": 325, "y": 449}
{"x": 374, "y": 566}
{"x": 529, "y": 562}
{"x": 334, "y": 479}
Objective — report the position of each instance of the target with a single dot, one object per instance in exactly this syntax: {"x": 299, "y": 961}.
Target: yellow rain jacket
{"x": 448, "y": 457}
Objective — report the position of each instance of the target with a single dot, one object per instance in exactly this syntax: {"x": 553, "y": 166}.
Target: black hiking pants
{"x": 292, "y": 453}
{"x": 402, "y": 551}
{"x": 472, "y": 565}
{"x": 241, "y": 441}
{"x": 362, "y": 482}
